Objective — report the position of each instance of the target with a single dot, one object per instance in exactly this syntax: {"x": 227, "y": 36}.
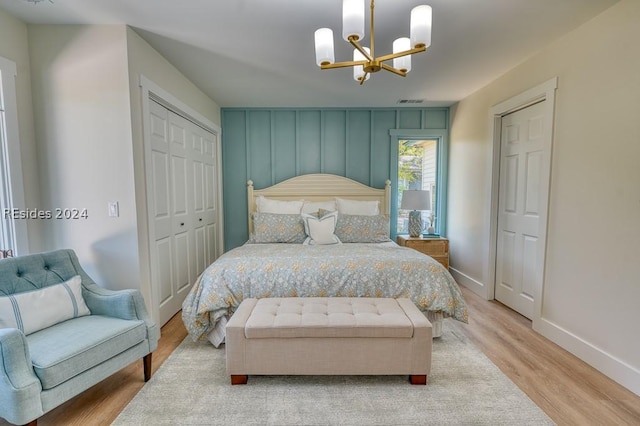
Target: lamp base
{"x": 415, "y": 223}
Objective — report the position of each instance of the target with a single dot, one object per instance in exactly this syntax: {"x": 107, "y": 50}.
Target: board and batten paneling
{"x": 272, "y": 145}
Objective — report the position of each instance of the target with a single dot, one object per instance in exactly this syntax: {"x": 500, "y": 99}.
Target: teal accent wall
{"x": 271, "y": 145}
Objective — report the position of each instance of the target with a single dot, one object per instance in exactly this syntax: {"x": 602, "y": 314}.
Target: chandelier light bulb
{"x": 421, "y": 17}
{"x": 402, "y": 63}
{"x": 324, "y": 46}
{"x": 353, "y": 19}
{"x": 358, "y": 70}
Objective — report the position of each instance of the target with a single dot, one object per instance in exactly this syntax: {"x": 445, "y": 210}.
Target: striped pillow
{"x": 34, "y": 310}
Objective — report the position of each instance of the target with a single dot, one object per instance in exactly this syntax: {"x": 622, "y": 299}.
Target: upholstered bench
{"x": 328, "y": 336}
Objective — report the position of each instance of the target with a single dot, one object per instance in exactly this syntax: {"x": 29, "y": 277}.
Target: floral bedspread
{"x": 294, "y": 270}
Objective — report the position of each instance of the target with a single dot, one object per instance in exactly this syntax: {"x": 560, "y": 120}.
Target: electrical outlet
{"x": 114, "y": 209}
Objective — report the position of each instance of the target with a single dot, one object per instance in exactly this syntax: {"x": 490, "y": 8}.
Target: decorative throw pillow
{"x": 358, "y": 207}
{"x": 321, "y": 229}
{"x": 363, "y": 229}
{"x": 277, "y": 228}
{"x": 34, "y": 310}
{"x": 268, "y": 205}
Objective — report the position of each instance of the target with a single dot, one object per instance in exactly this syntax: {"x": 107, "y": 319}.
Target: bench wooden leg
{"x": 146, "y": 362}
{"x": 418, "y": 379}
{"x": 238, "y": 379}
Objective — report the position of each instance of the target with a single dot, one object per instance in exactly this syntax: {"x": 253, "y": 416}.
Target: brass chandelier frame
{"x": 372, "y": 64}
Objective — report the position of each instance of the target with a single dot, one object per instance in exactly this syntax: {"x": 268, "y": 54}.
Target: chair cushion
{"x": 65, "y": 350}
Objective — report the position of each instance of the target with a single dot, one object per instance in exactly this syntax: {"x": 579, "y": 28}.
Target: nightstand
{"x": 436, "y": 247}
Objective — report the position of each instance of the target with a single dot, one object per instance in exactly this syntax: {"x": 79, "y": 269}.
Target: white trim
{"x": 12, "y": 161}
{"x": 613, "y": 367}
{"x": 152, "y": 91}
{"x": 471, "y": 283}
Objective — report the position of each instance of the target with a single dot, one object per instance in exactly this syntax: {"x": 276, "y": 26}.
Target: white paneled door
{"x": 524, "y": 190}
{"x": 182, "y": 204}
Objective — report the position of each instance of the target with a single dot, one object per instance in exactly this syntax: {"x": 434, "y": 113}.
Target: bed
{"x": 355, "y": 258}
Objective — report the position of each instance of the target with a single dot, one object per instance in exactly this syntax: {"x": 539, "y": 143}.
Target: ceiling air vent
{"x": 411, "y": 101}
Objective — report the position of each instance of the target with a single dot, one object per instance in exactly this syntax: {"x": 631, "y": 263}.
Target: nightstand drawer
{"x": 430, "y": 247}
{"x": 442, "y": 259}
{"x": 437, "y": 248}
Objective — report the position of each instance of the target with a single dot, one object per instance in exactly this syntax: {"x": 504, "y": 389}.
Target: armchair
{"x": 41, "y": 369}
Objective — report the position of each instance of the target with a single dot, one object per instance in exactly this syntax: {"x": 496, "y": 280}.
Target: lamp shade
{"x": 415, "y": 199}
{"x": 358, "y": 70}
{"x": 421, "y": 26}
{"x": 402, "y": 63}
{"x": 324, "y": 46}
{"x": 352, "y": 19}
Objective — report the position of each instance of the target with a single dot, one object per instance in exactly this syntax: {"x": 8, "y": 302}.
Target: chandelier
{"x": 364, "y": 60}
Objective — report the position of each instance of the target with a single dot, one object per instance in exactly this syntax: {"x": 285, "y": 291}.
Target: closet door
{"x": 182, "y": 206}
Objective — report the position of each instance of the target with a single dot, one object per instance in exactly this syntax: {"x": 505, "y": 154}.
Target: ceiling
{"x": 260, "y": 53}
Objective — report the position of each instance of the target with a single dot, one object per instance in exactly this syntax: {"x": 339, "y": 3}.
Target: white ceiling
{"x": 253, "y": 53}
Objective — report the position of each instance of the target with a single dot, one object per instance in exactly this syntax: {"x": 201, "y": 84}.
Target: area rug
{"x": 465, "y": 388}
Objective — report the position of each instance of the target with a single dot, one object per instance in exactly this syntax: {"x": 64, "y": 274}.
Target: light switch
{"x": 114, "y": 209}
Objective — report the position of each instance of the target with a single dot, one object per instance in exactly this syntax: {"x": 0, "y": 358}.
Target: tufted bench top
{"x": 292, "y": 317}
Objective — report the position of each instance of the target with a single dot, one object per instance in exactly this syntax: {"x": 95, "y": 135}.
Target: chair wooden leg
{"x": 239, "y": 379}
{"x": 146, "y": 362}
{"x": 418, "y": 379}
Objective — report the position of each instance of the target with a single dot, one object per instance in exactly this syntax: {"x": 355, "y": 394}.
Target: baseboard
{"x": 607, "y": 364}
{"x": 472, "y": 284}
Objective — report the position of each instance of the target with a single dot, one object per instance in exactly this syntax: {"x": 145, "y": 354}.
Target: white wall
{"x": 592, "y": 278}
{"x": 83, "y": 128}
{"x": 144, "y": 60}
{"x": 88, "y": 108}
{"x": 14, "y": 46}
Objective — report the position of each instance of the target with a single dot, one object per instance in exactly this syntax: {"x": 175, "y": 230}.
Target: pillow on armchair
{"x": 32, "y": 311}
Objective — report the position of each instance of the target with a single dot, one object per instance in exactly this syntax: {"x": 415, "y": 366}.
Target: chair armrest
{"x": 124, "y": 304}
{"x": 20, "y": 388}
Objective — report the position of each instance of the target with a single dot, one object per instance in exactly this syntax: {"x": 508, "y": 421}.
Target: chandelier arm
{"x": 393, "y": 70}
{"x": 354, "y": 43}
{"x": 343, "y": 64}
{"x": 364, "y": 78}
{"x": 400, "y": 54}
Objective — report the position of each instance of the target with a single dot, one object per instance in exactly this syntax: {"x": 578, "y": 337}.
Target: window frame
{"x": 441, "y": 136}
{"x": 11, "y": 181}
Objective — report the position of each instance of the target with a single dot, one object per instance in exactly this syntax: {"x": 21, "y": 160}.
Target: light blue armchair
{"x": 40, "y": 370}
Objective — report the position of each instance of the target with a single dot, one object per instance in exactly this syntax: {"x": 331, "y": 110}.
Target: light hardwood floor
{"x": 567, "y": 389}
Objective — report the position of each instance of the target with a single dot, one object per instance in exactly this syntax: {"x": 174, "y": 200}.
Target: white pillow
{"x": 34, "y": 310}
{"x": 321, "y": 230}
{"x": 268, "y": 205}
{"x": 357, "y": 207}
{"x": 314, "y": 206}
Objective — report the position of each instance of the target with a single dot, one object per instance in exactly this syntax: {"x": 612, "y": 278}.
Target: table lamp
{"x": 415, "y": 200}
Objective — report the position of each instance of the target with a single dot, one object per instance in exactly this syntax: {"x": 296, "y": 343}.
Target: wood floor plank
{"x": 569, "y": 390}
{"x": 566, "y": 388}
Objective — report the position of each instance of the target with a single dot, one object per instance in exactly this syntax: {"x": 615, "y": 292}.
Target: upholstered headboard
{"x": 319, "y": 187}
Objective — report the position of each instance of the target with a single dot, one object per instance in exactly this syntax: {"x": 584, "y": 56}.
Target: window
{"x": 419, "y": 162}
{"x": 13, "y": 231}
{"x": 417, "y": 169}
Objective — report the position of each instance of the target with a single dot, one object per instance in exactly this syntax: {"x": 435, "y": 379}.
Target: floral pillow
{"x": 363, "y": 228}
{"x": 277, "y": 228}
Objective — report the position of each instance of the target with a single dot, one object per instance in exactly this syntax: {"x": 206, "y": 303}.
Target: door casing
{"x": 542, "y": 92}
